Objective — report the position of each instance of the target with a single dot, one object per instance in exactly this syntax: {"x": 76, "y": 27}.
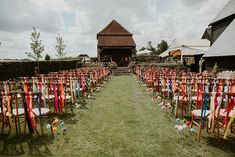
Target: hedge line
{"x": 15, "y": 69}
{"x": 147, "y": 58}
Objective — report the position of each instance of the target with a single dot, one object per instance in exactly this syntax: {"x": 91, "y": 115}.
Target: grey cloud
{"x": 193, "y": 3}
{"x": 22, "y": 15}
{"x": 100, "y": 12}
{"x": 148, "y": 20}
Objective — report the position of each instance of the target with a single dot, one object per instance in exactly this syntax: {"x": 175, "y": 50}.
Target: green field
{"x": 122, "y": 121}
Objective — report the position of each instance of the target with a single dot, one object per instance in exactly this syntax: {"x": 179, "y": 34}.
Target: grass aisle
{"x": 123, "y": 121}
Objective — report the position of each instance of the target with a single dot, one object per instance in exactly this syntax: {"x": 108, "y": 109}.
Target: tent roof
{"x": 224, "y": 45}
{"x": 188, "y": 47}
{"x": 199, "y": 44}
{"x": 186, "y": 51}
{"x": 145, "y": 51}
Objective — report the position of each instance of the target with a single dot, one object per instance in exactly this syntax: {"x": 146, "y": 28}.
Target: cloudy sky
{"x": 78, "y": 21}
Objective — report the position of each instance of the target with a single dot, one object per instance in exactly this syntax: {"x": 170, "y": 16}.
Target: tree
{"x": 47, "y": 57}
{"x": 83, "y": 55}
{"x": 36, "y": 46}
{"x": 161, "y": 47}
{"x": 142, "y": 49}
{"x": 150, "y": 47}
{"x": 60, "y": 47}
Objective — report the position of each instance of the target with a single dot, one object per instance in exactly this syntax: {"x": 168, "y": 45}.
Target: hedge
{"x": 15, "y": 69}
{"x": 147, "y": 58}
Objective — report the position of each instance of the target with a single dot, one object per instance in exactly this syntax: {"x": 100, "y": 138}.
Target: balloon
{"x": 161, "y": 104}
{"x": 180, "y": 128}
{"x": 54, "y": 129}
{"x": 64, "y": 130}
{"x": 188, "y": 123}
{"x": 176, "y": 126}
{"x": 168, "y": 104}
{"x": 54, "y": 123}
{"x": 48, "y": 126}
{"x": 184, "y": 126}
{"x": 192, "y": 130}
{"x": 178, "y": 120}
{"x": 61, "y": 123}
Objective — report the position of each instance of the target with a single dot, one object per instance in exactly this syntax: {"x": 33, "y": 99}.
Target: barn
{"x": 116, "y": 44}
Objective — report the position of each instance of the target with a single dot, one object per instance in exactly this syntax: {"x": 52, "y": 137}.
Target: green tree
{"x": 161, "y": 47}
{"x": 83, "y": 55}
{"x": 142, "y": 49}
{"x": 60, "y": 47}
{"x": 36, "y": 46}
{"x": 150, "y": 46}
{"x": 47, "y": 57}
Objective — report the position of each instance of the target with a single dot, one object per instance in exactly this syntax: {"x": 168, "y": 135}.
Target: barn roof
{"x": 224, "y": 45}
{"x": 116, "y": 41}
{"x": 207, "y": 34}
{"x": 115, "y": 35}
{"x": 228, "y": 10}
{"x": 114, "y": 28}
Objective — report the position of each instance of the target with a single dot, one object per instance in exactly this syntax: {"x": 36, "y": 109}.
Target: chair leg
{"x": 2, "y": 128}
{"x": 218, "y": 131}
{"x": 192, "y": 121}
{"x": 24, "y": 125}
{"x": 49, "y": 118}
{"x": 215, "y": 125}
{"x": 16, "y": 123}
{"x": 207, "y": 127}
{"x": 19, "y": 128}
{"x": 40, "y": 121}
{"x": 199, "y": 132}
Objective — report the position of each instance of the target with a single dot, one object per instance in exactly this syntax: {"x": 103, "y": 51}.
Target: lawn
{"x": 122, "y": 121}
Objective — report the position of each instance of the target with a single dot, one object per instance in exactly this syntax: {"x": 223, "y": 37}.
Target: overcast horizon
{"x": 78, "y": 21}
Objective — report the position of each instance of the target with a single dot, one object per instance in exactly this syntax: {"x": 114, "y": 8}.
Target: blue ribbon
{"x": 78, "y": 90}
{"x": 203, "y": 110}
{"x": 170, "y": 86}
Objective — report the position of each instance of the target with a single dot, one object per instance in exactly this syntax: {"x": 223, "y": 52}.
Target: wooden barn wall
{"x": 224, "y": 63}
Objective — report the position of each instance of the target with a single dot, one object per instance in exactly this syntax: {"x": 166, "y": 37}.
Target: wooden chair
{"x": 13, "y": 111}
{"x": 35, "y": 111}
{"x": 200, "y": 116}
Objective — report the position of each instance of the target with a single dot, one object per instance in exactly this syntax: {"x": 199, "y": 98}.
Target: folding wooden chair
{"x": 200, "y": 116}
{"x": 12, "y": 112}
{"x": 35, "y": 111}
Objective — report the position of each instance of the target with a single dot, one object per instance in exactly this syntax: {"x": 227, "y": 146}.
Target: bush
{"x": 79, "y": 64}
{"x": 15, "y": 69}
{"x": 47, "y": 57}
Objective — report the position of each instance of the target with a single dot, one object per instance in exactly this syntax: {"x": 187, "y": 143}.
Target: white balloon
{"x": 180, "y": 128}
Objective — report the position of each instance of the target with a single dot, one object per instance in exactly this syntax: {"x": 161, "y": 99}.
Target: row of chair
{"x": 35, "y": 100}
{"x": 207, "y": 100}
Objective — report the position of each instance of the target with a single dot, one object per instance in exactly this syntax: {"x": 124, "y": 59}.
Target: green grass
{"x": 121, "y": 121}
